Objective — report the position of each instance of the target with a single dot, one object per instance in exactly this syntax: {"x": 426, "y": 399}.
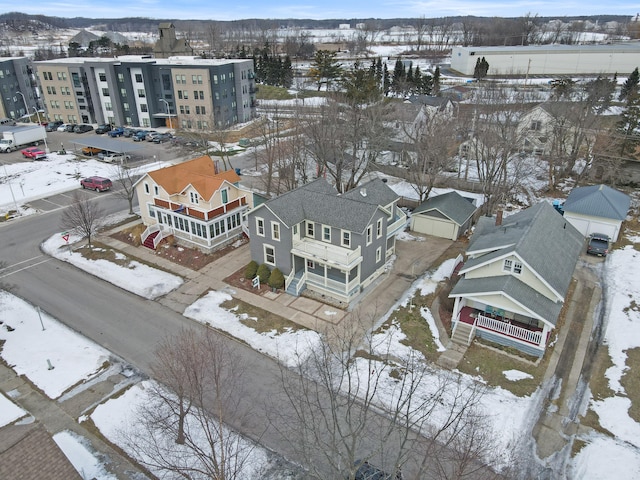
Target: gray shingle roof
{"x": 513, "y": 288}
{"x": 598, "y": 201}
{"x": 320, "y": 202}
{"x": 376, "y": 192}
{"x": 452, "y": 205}
{"x": 539, "y": 235}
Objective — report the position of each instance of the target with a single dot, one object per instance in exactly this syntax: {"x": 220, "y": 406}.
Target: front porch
{"x": 325, "y": 280}
{"x": 503, "y": 328}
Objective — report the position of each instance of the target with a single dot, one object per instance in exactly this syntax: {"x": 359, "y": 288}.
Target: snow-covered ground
{"x": 29, "y": 349}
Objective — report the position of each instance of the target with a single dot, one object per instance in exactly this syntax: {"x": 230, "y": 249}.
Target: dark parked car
{"x": 104, "y": 128}
{"x": 99, "y": 184}
{"x": 128, "y": 131}
{"x": 116, "y": 132}
{"x": 53, "y": 126}
{"x": 366, "y": 471}
{"x": 82, "y": 128}
{"x": 71, "y": 127}
{"x": 163, "y": 137}
{"x": 140, "y": 135}
{"x": 598, "y": 244}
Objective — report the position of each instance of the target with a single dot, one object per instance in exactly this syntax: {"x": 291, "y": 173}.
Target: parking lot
{"x": 58, "y": 140}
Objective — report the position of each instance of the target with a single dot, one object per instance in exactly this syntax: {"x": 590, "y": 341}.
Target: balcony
{"x": 199, "y": 213}
{"x": 326, "y": 253}
{"x": 397, "y": 226}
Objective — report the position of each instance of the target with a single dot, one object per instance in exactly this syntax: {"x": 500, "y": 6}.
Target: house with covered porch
{"x": 515, "y": 279}
{"x": 201, "y": 206}
{"x": 331, "y": 244}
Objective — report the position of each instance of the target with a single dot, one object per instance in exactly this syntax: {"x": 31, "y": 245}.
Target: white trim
{"x": 275, "y": 231}
{"x": 342, "y": 238}
{"x": 264, "y": 251}
{"x": 260, "y": 220}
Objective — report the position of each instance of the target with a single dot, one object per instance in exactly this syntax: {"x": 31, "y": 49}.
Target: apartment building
{"x": 142, "y": 91}
{"x": 18, "y": 88}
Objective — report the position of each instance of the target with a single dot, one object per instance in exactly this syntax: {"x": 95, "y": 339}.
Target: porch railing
{"x": 506, "y": 328}
{"x": 158, "y": 227}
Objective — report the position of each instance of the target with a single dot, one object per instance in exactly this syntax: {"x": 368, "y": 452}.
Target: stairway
{"x": 293, "y": 286}
{"x": 461, "y": 334}
{"x": 148, "y": 242}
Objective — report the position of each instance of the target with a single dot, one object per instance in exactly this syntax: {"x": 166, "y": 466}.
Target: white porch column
{"x": 545, "y": 332}
{"x": 456, "y": 309}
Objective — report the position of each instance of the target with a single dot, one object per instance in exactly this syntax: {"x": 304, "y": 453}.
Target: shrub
{"x": 250, "y": 270}
{"x": 264, "y": 273}
{"x": 276, "y": 280}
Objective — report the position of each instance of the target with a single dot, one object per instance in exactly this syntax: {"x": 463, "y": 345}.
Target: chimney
{"x": 363, "y": 192}
{"x": 498, "y": 218}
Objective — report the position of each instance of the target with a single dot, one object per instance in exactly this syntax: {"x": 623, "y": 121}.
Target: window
{"x": 143, "y": 107}
{"x": 536, "y": 125}
{"x": 260, "y": 227}
{"x": 200, "y": 110}
{"x": 215, "y": 79}
{"x": 378, "y": 254}
{"x": 507, "y": 265}
{"x": 105, "y": 92}
{"x": 62, "y": 76}
{"x": 217, "y": 95}
{"x": 346, "y": 238}
{"x": 152, "y": 212}
{"x": 517, "y": 268}
{"x": 326, "y": 233}
{"x": 141, "y": 93}
{"x": 121, "y": 77}
{"x": 194, "y": 197}
{"x": 311, "y": 264}
{"x": 275, "y": 230}
{"x": 103, "y": 77}
{"x": 146, "y": 187}
{"x": 125, "y": 106}
{"x": 269, "y": 255}
{"x": 155, "y": 190}
{"x": 225, "y": 195}
{"x": 138, "y": 78}
{"x": 310, "y": 229}
{"x": 108, "y": 106}
{"x": 379, "y": 228}
{"x": 369, "y": 234}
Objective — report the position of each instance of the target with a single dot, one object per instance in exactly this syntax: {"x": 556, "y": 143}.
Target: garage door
{"x": 589, "y": 226}
{"x": 435, "y": 227}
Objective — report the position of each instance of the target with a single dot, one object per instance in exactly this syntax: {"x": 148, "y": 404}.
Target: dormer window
{"x": 194, "y": 197}
{"x": 507, "y": 265}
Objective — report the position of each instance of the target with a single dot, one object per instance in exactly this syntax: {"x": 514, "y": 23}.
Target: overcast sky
{"x": 314, "y": 9}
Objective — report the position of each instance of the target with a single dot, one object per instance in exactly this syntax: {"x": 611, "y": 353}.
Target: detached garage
{"x": 597, "y": 209}
{"x": 446, "y": 216}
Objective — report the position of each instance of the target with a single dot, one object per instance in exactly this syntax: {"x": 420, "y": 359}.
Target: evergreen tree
{"x": 410, "y": 83}
{"x": 426, "y": 84}
{"x": 481, "y": 69}
{"x": 629, "y": 124}
{"x": 360, "y": 86}
{"x": 386, "y": 81}
{"x": 287, "y": 73}
{"x": 398, "y": 79}
{"x": 630, "y": 87}
{"x": 379, "y": 70}
{"x": 436, "y": 81}
{"x": 325, "y": 68}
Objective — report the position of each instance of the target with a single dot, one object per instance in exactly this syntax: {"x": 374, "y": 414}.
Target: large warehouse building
{"x": 620, "y": 58}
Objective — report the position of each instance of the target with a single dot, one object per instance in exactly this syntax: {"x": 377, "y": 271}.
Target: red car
{"x": 99, "y": 184}
{"x": 34, "y": 152}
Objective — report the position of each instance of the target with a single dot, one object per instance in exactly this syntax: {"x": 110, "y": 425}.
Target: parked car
{"x": 99, "y": 184}
{"x": 366, "y": 471}
{"x": 63, "y": 127}
{"x": 116, "y": 132}
{"x": 53, "y": 126}
{"x": 104, "y": 128}
{"x": 151, "y": 134}
{"x": 598, "y": 244}
{"x": 82, "y": 128}
{"x": 115, "y": 157}
{"x": 139, "y": 135}
{"x": 35, "y": 153}
{"x": 71, "y": 127}
{"x": 128, "y": 131}
{"x": 91, "y": 150}
{"x": 163, "y": 137}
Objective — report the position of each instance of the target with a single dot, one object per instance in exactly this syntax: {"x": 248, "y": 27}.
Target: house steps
{"x": 148, "y": 242}
{"x": 293, "y": 286}
{"x": 461, "y": 334}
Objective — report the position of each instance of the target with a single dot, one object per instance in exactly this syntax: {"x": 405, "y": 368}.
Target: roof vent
{"x": 363, "y": 192}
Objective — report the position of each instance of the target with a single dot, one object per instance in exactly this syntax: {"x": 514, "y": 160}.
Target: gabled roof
{"x": 375, "y": 192}
{"x": 430, "y": 101}
{"x": 598, "y": 201}
{"x": 320, "y": 202}
{"x": 517, "y": 291}
{"x": 452, "y": 205}
{"x": 539, "y": 235}
{"x": 199, "y": 172}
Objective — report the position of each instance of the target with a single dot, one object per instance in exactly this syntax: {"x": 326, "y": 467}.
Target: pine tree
{"x": 410, "y": 83}
{"x": 386, "y": 81}
{"x": 397, "y": 82}
{"x": 630, "y": 87}
{"x": 379, "y": 70}
{"x": 436, "y": 81}
{"x": 629, "y": 123}
{"x": 287, "y": 73}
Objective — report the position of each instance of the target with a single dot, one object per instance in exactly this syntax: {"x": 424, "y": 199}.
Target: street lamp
{"x": 26, "y": 107}
{"x": 46, "y": 147}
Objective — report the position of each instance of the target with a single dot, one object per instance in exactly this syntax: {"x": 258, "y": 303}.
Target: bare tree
{"x": 83, "y": 216}
{"x": 125, "y": 177}
{"x": 181, "y": 428}
{"x": 433, "y": 141}
{"x": 337, "y": 396}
